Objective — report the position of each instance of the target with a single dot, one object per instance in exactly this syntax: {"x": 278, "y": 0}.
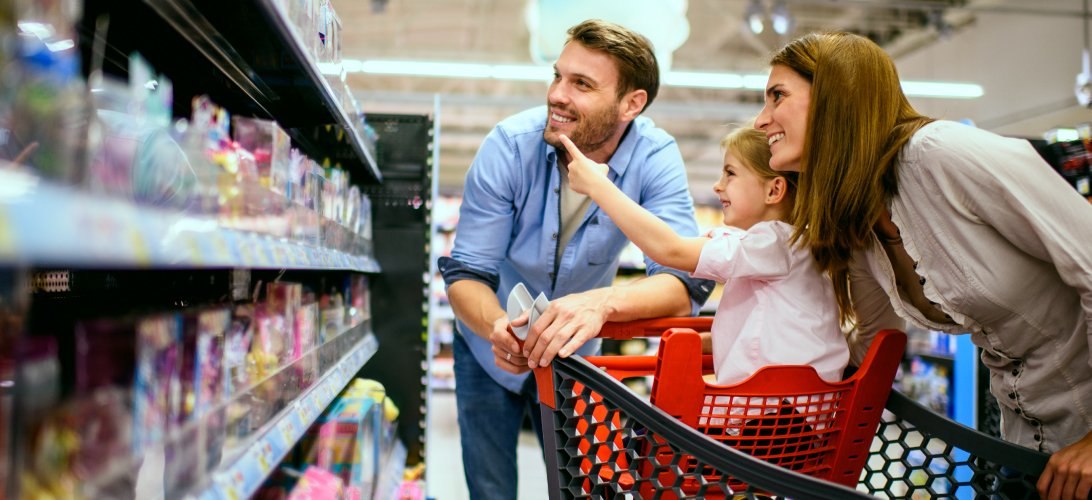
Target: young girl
{"x": 777, "y": 307}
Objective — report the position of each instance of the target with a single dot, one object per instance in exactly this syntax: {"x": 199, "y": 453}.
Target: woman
{"x": 948, "y": 227}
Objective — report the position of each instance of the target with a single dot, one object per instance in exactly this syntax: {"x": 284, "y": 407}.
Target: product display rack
{"x": 86, "y": 255}
{"x": 256, "y": 460}
{"x": 96, "y": 231}
{"x": 401, "y": 208}
{"x": 247, "y": 57}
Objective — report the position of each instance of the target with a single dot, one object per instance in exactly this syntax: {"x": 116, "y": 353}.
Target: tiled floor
{"x": 444, "y": 462}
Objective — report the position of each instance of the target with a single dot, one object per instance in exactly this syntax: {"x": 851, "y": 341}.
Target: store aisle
{"x": 445, "y": 467}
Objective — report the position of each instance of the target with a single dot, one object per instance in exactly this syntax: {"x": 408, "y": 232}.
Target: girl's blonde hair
{"x": 750, "y": 146}
{"x": 857, "y": 123}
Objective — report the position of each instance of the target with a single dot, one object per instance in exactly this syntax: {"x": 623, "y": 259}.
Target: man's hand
{"x": 584, "y": 174}
{"x": 1068, "y": 473}
{"x": 507, "y": 353}
{"x": 566, "y": 325}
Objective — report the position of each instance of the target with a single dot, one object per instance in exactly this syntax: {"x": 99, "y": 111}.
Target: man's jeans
{"x": 490, "y": 418}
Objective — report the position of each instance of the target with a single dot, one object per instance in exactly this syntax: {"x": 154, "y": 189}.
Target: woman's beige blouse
{"x": 1003, "y": 246}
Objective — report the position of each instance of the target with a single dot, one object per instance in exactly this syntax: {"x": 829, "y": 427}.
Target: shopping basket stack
{"x": 783, "y": 432}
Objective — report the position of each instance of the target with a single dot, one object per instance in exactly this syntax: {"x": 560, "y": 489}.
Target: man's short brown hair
{"x": 637, "y": 66}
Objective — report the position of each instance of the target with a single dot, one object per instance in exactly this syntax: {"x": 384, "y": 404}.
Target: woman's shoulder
{"x": 941, "y": 133}
{"x": 947, "y": 146}
{"x": 944, "y": 136}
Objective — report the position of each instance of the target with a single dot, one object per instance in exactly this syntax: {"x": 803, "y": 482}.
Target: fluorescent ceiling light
{"x": 523, "y": 72}
{"x": 753, "y": 15}
{"x": 950, "y": 90}
{"x": 424, "y": 68}
{"x": 705, "y": 80}
{"x": 694, "y": 79}
{"x": 1062, "y": 135}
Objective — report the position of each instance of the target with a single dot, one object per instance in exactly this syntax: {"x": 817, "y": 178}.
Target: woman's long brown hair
{"x": 858, "y": 121}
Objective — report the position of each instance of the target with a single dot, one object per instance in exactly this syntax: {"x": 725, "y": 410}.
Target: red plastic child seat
{"x": 786, "y": 415}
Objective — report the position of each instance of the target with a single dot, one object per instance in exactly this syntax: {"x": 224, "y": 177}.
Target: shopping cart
{"x": 783, "y": 432}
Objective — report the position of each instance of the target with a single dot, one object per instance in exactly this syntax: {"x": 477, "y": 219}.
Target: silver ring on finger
{"x": 508, "y": 357}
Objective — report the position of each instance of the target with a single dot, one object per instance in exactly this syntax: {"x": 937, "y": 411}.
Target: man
{"x": 519, "y": 222}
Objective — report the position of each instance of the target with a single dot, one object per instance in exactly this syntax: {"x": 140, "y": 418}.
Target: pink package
{"x": 317, "y": 484}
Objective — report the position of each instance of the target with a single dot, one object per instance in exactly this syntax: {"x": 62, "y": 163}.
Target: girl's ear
{"x": 776, "y": 190}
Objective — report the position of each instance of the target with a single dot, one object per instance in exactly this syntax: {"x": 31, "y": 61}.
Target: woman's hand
{"x": 584, "y": 174}
{"x": 1068, "y": 473}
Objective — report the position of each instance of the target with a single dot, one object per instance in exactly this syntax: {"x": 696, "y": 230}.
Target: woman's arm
{"x": 871, "y": 306}
{"x": 652, "y": 235}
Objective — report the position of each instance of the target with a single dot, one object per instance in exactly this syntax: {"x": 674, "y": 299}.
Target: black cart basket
{"x": 604, "y": 441}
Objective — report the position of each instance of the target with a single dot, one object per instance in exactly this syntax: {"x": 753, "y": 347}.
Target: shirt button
{"x": 1018, "y": 411}
{"x": 557, "y": 190}
{"x": 921, "y": 280}
{"x": 1037, "y": 437}
{"x": 553, "y": 236}
{"x": 1015, "y": 371}
{"x": 1012, "y": 395}
{"x": 915, "y": 265}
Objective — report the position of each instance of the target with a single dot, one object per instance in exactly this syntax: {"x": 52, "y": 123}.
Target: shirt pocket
{"x": 601, "y": 236}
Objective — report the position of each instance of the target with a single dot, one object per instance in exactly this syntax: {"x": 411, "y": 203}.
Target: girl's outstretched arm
{"x": 652, "y": 235}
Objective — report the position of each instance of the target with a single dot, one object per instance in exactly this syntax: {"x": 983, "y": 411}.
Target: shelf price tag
{"x": 264, "y": 253}
{"x": 280, "y": 255}
{"x": 219, "y": 250}
{"x": 288, "y": 430}
{"x": 265, "y": 458}
{"x": 299, "y": 256}
{"x": 232, "y": 485}
{"x": 7, "y": 235}
{"x": 139, "y": 246}
{"x": 247, "y": 253}
{"x": 192, "y": 248}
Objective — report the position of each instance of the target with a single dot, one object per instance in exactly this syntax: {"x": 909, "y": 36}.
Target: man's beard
{"x": 591, "y": 132}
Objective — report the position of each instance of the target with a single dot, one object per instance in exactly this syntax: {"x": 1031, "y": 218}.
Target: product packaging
{"x": 359, "y": 301}
{"x": 238, "y": 369}
{"x": 157, "y": 384}
{"x": 344, "y": 441}
{"x": 304, "y": 342}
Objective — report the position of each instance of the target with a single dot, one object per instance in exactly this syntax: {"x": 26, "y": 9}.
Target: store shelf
{"x": 942, "y": 357}
{"x": 44, "y": 224}
{"x": 255, "y": 46}
{"x": 241, "y": 477}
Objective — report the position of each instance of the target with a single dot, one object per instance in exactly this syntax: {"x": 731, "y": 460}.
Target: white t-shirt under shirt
{"x": 777, "y": 308}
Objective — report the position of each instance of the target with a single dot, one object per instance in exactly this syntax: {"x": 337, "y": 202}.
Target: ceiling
{"x": 494, "y": 31}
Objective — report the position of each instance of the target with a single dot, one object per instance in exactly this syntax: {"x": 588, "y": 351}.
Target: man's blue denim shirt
{"x": 509, "y": 220}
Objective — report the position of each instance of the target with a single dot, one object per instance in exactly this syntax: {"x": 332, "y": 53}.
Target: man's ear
{"x": 776, "y": 190}
{"x": 632, "y": 104}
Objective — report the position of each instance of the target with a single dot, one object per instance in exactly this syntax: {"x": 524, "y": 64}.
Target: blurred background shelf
{"x": 247, "y": 56}
{"x": 46, "y": 224}
{"x": 242, "y": 477}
